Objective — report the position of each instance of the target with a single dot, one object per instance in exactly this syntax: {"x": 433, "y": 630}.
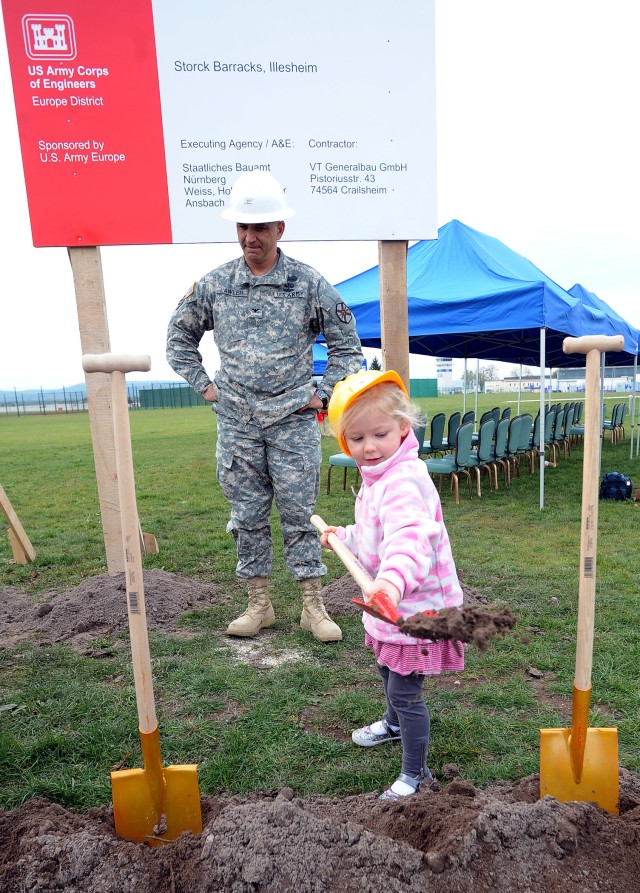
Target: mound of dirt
{"x": 449, "y": 838}
{"x": 454, "y": 839}
{"x": 97, "y": 607}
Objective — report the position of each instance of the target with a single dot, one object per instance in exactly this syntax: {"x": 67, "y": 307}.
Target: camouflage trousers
{"x": 257, "y": 465}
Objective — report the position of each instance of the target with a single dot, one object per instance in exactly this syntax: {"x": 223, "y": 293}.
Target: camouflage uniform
{"x": 264, "y": 328}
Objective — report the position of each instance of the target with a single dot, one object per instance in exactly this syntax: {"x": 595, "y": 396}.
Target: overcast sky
{"x": 537, "y": 136}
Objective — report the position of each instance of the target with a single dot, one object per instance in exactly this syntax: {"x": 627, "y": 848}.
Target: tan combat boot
{"x": 259, "y": 613}
{"x": 314, "y": 615}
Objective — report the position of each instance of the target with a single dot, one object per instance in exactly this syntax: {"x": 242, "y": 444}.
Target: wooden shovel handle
{"x": 591, "y": 345}
{"x": 132, "y": 555}
{"x": 346, "y": 556}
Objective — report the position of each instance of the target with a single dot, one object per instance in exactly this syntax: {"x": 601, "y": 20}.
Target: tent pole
{"x": 464, "y": 388}
{"x": 635, "y": 373}
{"x": 602, "y": 404}
{"x": 543, "y": 350}
{"x": 633, "y": 403}
{"x": 519, "y": 387}
{"x": 477, "y": 384}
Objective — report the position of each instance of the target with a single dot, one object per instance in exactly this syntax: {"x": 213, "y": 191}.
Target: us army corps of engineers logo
{"x": 49, "y": 36}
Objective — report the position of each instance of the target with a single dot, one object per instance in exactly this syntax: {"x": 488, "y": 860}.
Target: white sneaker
{"x": 405, "y": 786}
{"x": 378, "y": 733}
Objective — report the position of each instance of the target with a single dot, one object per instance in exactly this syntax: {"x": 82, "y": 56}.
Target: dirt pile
{"x": 450, "y": 838}
{"x": 97, "y": 608}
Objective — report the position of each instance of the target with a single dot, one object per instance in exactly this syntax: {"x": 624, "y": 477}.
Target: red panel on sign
{"x": 85, "y": 82}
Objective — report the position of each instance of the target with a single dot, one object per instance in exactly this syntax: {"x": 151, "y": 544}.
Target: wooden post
{"x": 21, "y": 547}
{"x": 394, "y": 309}
{"x": 94, "y": 338}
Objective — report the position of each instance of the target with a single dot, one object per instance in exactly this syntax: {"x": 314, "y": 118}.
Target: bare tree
{"x": 486, "y": 373}
{"x": 469, "y": 380}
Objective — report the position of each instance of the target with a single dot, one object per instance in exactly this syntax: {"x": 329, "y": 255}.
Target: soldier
{"x": 265, "y": 310}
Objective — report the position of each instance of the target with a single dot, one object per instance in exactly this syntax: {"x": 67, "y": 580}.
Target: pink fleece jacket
{"x": 400, "y": 535}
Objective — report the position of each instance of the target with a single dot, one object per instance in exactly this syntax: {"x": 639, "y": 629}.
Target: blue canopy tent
{"x": 616, "y": 325}
{"x": 469, "y": 295}
{"x": 319, "y": 358}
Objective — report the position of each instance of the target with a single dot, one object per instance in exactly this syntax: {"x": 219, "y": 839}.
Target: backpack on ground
{"x": 616, "y": 486}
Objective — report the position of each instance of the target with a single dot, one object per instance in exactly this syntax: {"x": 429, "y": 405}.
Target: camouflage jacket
{"x": 264, "y": 328}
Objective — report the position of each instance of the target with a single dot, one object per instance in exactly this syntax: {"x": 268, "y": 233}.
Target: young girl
{"x": 401, "y": 540}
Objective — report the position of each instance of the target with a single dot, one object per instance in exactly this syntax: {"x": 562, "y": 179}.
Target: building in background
{"x": 444, "y": 372}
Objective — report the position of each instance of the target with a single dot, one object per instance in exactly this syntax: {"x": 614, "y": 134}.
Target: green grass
{"x": 66, "y": 720}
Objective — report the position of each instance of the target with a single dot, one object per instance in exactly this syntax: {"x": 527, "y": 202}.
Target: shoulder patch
{"x": 190, "y": 292}
{"x": 343, "y": 313}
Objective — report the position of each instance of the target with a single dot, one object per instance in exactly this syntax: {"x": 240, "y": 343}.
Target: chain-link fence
{"x": 169, "y": 395}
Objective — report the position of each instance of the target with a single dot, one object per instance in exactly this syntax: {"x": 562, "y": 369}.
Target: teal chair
{"x": 455, "y": 463}
{"x": 524, "y": 441}
{"x": 561, "y": 435}
{"x": 420, "y": 432}
{"x": 453, "y": 424}
{"x": 549, "y": 422}
{"x": 576, "y": 431}
{"x": 513, "y": 443}
{"x": 557, "y": 436}
{"x": 624, "y": 409}
{"x": 615, "y": 424}
{"x": 341, "y": 460}
{"x": 499, "y": 453}
{"x": 534, "y": 444}
{"x": 435, "y": 444}
{"x": 480, "y": 458}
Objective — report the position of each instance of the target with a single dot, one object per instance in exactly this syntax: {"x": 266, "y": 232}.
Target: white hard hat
{"x": 257, "y": 197}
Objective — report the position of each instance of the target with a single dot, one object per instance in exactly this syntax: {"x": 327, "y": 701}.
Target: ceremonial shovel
{"x": 378, "y": 604}
{"x": 581, "y": 763}
{"x": 153, "y": 804}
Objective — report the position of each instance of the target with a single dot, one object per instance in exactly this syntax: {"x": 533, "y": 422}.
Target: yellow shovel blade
{"x": 136, "y": 815}
{"x": 598, "y": 782}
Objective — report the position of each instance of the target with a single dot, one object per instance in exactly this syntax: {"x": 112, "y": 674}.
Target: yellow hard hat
{"x": 349, "y": 389}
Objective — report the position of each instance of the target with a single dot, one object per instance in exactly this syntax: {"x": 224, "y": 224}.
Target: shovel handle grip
{"x": 116, "y": 362}
{"x": 346, "y": 556}
{"x": 585, "y": 343}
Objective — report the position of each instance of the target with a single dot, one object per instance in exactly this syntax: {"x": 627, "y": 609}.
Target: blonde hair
{"x": 386, "y": 398}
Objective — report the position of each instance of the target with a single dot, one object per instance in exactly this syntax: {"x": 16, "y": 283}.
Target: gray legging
{"x": 406, "y": 708}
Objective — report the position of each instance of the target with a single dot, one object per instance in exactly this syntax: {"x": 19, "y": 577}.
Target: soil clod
{"x": 477, "y": 625}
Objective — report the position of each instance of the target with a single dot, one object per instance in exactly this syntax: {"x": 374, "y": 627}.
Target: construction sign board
{"x": 136, "y": 116}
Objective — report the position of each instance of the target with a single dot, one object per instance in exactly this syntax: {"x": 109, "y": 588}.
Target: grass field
{"x": 66, "y": 720}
